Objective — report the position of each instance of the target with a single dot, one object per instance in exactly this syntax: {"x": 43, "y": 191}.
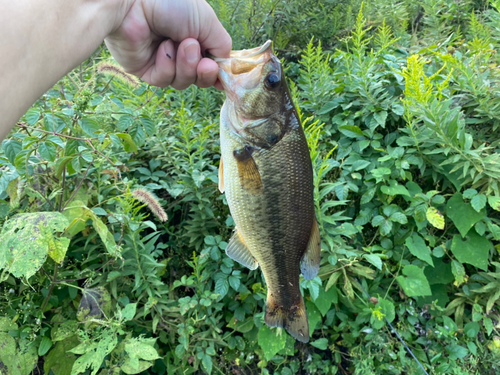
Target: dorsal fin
{"x": 238, "y": 251}
{"x": 309, "y": 265}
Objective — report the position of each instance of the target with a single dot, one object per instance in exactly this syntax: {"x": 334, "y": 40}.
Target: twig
{"x": 79, "y": 185}
{"x": 51, "y": 288}
{"x": 62, "y": 188}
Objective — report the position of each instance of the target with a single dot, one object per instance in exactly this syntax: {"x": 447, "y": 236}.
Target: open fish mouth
{"x": 243, "y": 68}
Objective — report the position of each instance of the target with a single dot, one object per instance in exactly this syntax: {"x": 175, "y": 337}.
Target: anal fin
{"x": 221, "y": 176}
{"x": 309, "y": 265}
{"x": 238, "y": 251}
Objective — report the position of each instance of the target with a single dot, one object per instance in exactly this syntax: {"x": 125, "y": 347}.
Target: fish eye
{"x": 272, "y": 81}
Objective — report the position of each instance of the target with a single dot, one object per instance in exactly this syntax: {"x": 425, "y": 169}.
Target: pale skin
{"x": 160, "y": 41}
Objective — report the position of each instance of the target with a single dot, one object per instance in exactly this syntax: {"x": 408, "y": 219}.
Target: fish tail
{"x": 293, "y": 318}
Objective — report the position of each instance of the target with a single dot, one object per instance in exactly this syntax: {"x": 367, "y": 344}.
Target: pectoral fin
{"x": 309, "y": 265}
{"x": 221, "y": 176}
{"x": 238, "y": 251}
{"x": 247, "y": 170}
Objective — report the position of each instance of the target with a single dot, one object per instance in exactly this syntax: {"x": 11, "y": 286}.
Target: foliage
{"x": 113, "y": 228}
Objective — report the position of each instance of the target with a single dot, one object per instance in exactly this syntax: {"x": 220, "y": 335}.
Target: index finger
{"x": 213, "y": 38}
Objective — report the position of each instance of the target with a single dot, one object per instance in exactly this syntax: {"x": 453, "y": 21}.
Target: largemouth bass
{"x": 266, "y": 174}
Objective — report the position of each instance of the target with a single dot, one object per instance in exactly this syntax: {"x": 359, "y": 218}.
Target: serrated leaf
{"x": 148, "y": 124}
{"x": 32, "y": 116}
{"x": 89, "y": 126}
{"x": 221, "y": 287}
{"x": 474, "y": 250}
{"x": 415, "y": 283}
{"x": 435, "y": 217}
{"x": 47, "y": 150}
{"x": 478, "y": 202}
{"x": 271, "y": 341}
{"x": 124, "y": 122}
{"x": 494, "y": 202}
{"x": 398, "y": 109}
{"x": 351, "y": 131}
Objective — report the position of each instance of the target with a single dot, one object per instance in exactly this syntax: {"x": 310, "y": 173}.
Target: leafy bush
{"x": 400, "y": 105}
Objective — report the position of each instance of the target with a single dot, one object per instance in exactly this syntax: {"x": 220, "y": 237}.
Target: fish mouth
{"x": 243, "y": 68}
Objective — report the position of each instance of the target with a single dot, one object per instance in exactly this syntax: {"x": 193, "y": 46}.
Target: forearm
{"x": 42, "y": 40}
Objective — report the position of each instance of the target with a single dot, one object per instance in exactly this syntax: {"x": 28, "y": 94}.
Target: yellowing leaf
{"x": 435, "y": 217}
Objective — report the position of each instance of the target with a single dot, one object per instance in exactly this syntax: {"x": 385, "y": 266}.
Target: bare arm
{"x": 42, "y": 40}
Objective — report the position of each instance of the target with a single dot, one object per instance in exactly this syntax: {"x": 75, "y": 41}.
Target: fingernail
{"x": 192, "y": 52}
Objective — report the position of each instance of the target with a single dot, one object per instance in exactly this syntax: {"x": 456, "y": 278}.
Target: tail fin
{"x": 293, "y": 318}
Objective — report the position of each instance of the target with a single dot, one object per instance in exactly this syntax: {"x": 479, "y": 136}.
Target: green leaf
{"x": 415, "y": 283}
{"x": 313, "y": 316}
{"x": 124, "y": 122}
{"x": 149, "y": 125}
{"x": 478, "y": 202}
{"x": 474, "y": 250}
{"x": 47, "y": 150}
{"x": 131, "y": 367}
{"x": 398, "y": 109}
{"x": 387, "y": 310}
{"x": 271, "y": 341}
{"x": 417, "y": 247}
{"x": 32, "y": 116}
{"x": 234, "y": 282}
{"x": 241, "y": 326}
{"x": 494, "y": 202}
{"x": 325, "y": 300}
{"x": 435, "y": 218}
{"x": 127, "y": 142}
{"x": 59, "y": 360}
{"x": 128, "y": 312}
{"x": 321, "y": 344}
{"x": 381, "y": 118}
{"x": 27, "y": 239}
{"x": 462, "y": 214}
{"x": 470, "y": 193}
{"x": 351, "y": 131}
{"x": 374, "y": 259}
{"x": 399, "y": 217}
{"x": 11, "y": 148}
{"x": 141, "y": 349}
{"x": 395, "y": 188}
{"x": 221, "y": 287}
{"x": 458, "y": 271}
{"x": 45, "y": 345}
{"x": 456, "y": 351}
{"x": 471, "y": 329}
{"x": 440, "y": 273}
{"x": 207, "y": 363}
{"x": 89, "y": 126}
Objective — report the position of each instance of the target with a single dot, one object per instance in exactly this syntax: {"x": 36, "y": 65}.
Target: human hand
{"x": 141, "y": 46}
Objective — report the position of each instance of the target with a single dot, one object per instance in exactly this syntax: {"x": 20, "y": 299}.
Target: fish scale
{"x": 267, "y": 177}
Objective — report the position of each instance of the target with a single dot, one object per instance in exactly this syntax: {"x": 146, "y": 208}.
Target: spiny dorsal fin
{"x": 221, "y": 176}
{"x": 247, "y": 170}
{"x": 311, "y": 259}
{"x": 238, "y": 251}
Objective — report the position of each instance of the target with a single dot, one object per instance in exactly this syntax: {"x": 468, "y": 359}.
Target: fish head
{"x": 257, "y": 97}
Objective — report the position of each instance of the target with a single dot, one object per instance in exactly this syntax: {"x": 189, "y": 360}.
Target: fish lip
{"x": 242, "y": 61}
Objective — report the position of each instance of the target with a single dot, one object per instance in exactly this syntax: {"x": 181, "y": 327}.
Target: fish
{"x": 266, "y": 174}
